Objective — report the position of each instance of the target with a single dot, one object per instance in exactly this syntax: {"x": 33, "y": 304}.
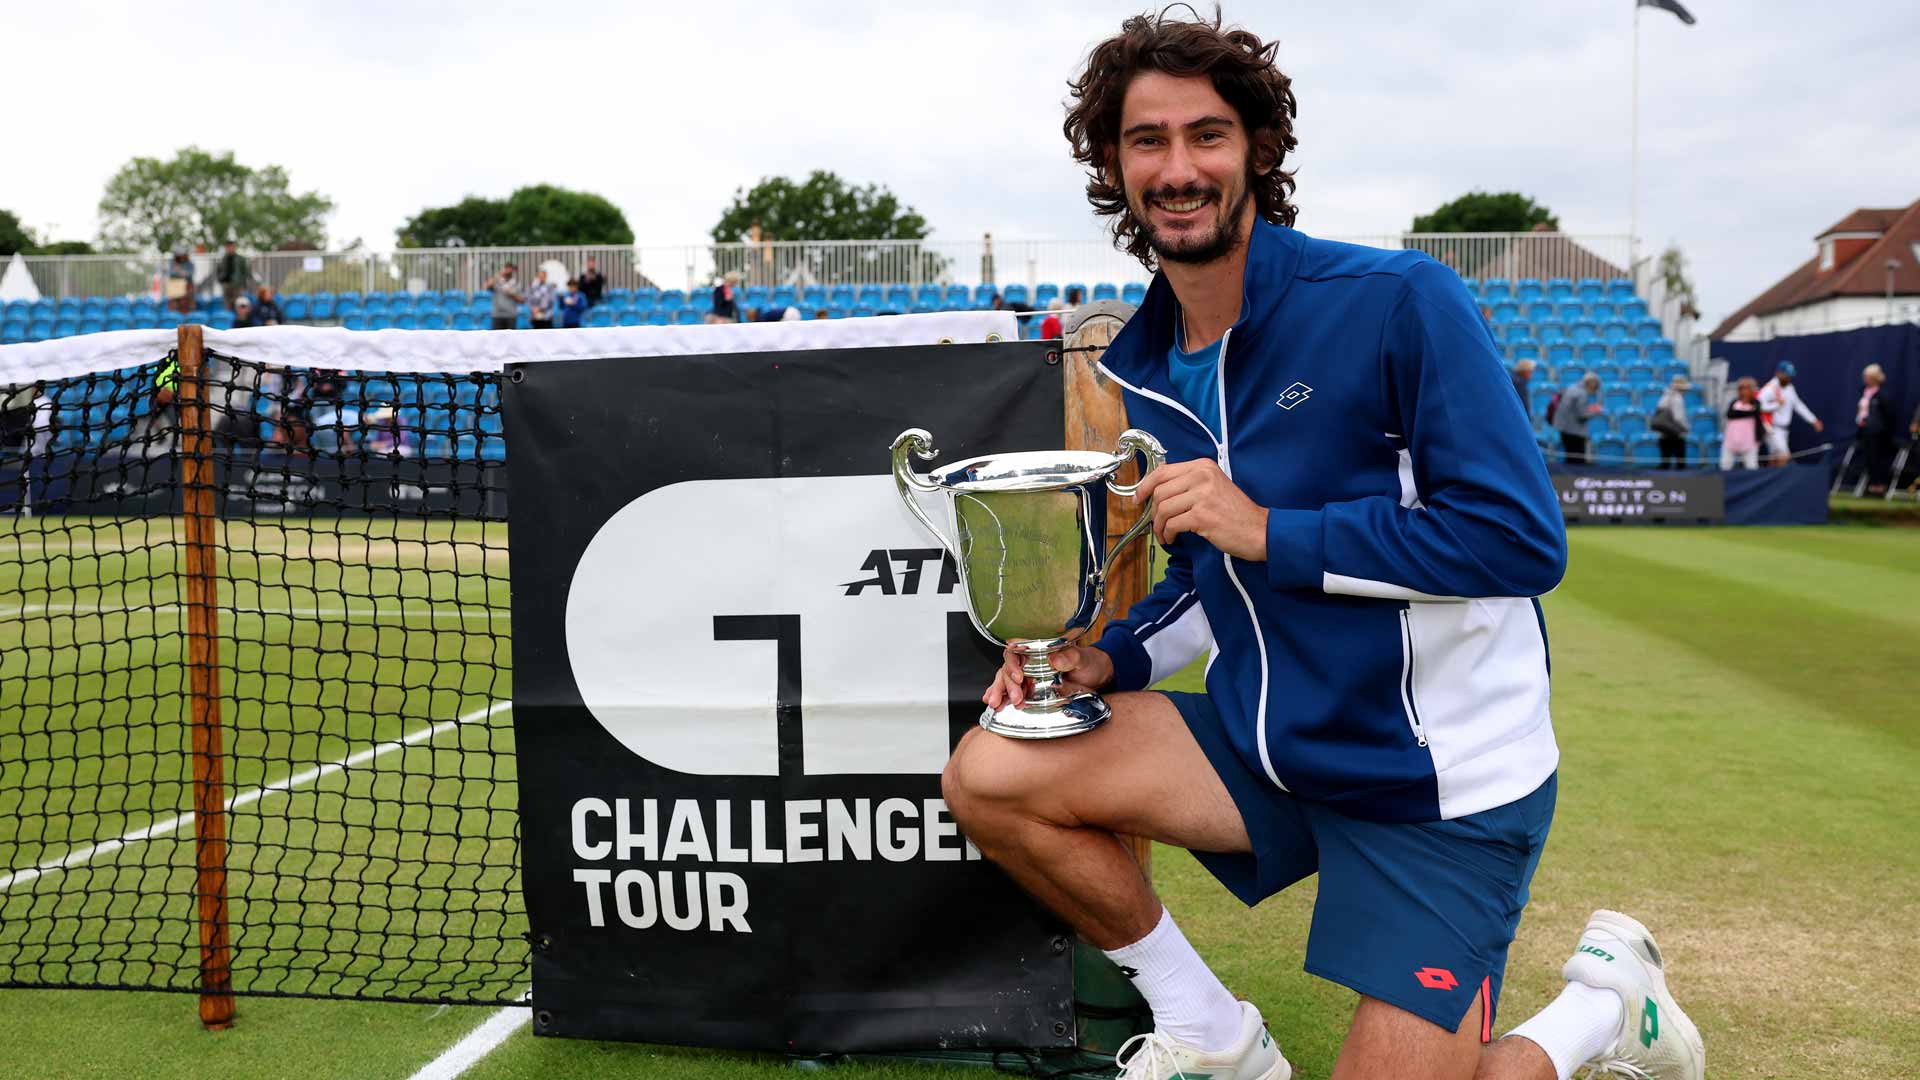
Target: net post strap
{"x": 196, "y": 480}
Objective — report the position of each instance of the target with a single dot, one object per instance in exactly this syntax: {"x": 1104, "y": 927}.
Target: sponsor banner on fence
{"x": 739, "y": 667}
{"x": 1641, "y": 498}
{"x": 254, "y": 485}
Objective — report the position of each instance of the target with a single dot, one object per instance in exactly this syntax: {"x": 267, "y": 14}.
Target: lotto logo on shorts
{"x": 1434, "y": 978}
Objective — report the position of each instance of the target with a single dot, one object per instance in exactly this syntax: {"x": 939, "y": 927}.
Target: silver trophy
{"x": 1032, "y": 555}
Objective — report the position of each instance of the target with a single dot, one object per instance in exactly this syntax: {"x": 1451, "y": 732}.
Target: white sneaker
{"x": 1154, "y": 1056}
{"x": 1656, "y": 1040}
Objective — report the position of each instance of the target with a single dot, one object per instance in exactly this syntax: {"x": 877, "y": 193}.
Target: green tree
{"x": 62, "y": 247}
{"x": 821, "y": 207}
{"x": 13, "y": 235}
{"x": 1487, "y": 212}
{"x": 199, "y": 197}
{"x": 1678, "y": 280}
{"x": 538, "y": 215}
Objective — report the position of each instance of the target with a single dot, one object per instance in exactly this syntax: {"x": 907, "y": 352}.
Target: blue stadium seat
{"x": 400, "y": 304}
{"x": 1703, "y": 425}
{"x": 221, "y": 320}
{"x": 862, "y": 311}
{"x": 1506, "y": 311}
{"x": 1582, "y": 333}
{"x": 1600, "y": 426}
{"x": 66, "y": 327}
{"x": 1609, "y": 374}
{"x": 374, "y": 304}
{"x": 1660, "y": 352}
{"x": 120, "y": 323}
{"x": 453, "y": 300}
{"x": 1616, "y": 398}
{"x": 1571, "y": 373}
{"x": 1594, "y": 352}
{"x": 355, "y": 321}
{"x": 1526, "y": 350}
{"x": 43, "y": 310}
{"x": 813, "y": 297}
{"x": 899, "y": 297}
{"x": 1670, "y": 370}
{"x": 922, "y": 309}
{"x": 1133, "y": 293}
{"x": 91, "y": 326}
{"x": 1647, "y": 331}
{"x": 295, "y": 308}
{"x": 870, "y": 295}
{"x": 1600, "y": 313}
{"x": 632, "y": 317}
{"x": 602, "y": 316}
{"x": 1473, "y": 286}
{"x": 1637, "y": 370}
{"x": 1589, "y": 291}
{"x": 1045, "y": 294}
{"x": 1643, "y": 448}
{"x": 462, "y": 321}
{"x": 321, "y": 307}
{"x": 13, "y": 331}
{"x": 1529, "y": 291}
{"x": 1015, "y": 294}
{"x": 1549, "y": 333}
{"x": 1540, "y": 397}
{"x": 689, "y": 317}
{"x": 168, "y": 320}
{"x": 982, "y": 295}
{"x": 754, "y": 296}
{"x": 1539, "y": 312}
{"x": 16, "y": 309}
{"x": 929, "y": 295}
{"x": 673, "y": 300}
{"x": 1620, "y": 289}
{"x": 1614, "y": 333}
{"x": 379, "y": 322}
{"x": 951, "y": 304}
{"x": 426, "y": 304}
{"x": 784, "y": 297}
{"x": 659, "y": 317}
{"x": 1496, "y": 290}
{"x": 1515, "y": 333}
{"x": 1633, "y": 310}
{"x": 407, "y": 320}
{"x": 1105, "y": 290}
{"x": 1573, "y": 312}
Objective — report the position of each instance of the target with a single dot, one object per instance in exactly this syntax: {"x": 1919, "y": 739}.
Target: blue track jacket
{"x": 1389, "y": 657}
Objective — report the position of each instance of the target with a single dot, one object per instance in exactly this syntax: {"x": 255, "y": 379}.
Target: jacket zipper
{"x": 1406, "y": 677}
{"x": 1259, "y": 638}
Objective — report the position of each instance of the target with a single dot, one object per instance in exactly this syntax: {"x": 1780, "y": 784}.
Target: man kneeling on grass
{"x": 1359, "y": 522}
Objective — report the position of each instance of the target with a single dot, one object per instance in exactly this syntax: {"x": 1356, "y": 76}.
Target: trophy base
{"x": 1082, "y": 712}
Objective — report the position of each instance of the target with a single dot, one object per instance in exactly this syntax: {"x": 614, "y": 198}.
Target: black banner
{"x": 739, "y": 667}
{"x": 1641, "y": 498}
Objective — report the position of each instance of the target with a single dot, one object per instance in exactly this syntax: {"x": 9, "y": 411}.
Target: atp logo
{"x": 1294, "y": 395}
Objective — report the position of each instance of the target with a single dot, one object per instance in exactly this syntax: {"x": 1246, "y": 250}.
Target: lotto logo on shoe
{"x": 1599, "y": 952}
{"x": 1434, "y": 978}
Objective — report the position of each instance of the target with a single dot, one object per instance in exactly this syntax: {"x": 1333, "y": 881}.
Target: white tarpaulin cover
{"x": 489, "y": 350}
{"x": 16, "y": 283}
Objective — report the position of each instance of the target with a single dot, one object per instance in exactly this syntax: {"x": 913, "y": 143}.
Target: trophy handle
{"x": 917, "y": 443}
{"x": 1134, "y": 440}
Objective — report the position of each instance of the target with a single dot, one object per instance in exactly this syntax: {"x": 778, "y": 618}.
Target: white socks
{"x": 1189, "y": 1003}
{"x": 1580, "y": 1025}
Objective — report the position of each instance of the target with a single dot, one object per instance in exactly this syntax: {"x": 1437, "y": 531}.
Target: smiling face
{"x": 1184, "y": 159}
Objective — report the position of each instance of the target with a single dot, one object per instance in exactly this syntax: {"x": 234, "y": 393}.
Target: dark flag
{"x": 1669, "y": 5}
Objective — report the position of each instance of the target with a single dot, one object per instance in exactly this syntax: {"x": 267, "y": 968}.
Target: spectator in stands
{"x": 542, "y": 297}
{"x": 1075, "y": 297}
{"x": 1669, "y": 421}
{"x": 387, "y": 434}
{"x": 506, "y": 297}
{"x": 1050, "y": 326}
{"x": 1746, "y": 429}
{"x": 726, "y": 306}
{"x": 16, "y": 414}
{"x": 1578, "y": 404}
{"x": 1874, "y": 441}
{"x": 573, "y": 305}
{"x": 1782, "y": 402}
{"x": 232, "y": 275}
{"x": 177, "y": 281}
{"x": 1001, "y": 303}
{"x": 243, "y": 314}
{"x": 822, "y": 313}
{"x": 1522, "y": 379}
{"x": 592, "y": 282}
{"x": 266, "y": 309}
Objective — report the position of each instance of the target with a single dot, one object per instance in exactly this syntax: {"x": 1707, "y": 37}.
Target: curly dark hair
{"x": 1242, "y": 69}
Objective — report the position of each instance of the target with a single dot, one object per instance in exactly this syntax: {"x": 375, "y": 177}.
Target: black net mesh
{"x": 364, "y": 672}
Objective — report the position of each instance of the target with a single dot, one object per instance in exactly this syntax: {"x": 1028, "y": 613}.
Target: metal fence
{"x": 799, "y": 263}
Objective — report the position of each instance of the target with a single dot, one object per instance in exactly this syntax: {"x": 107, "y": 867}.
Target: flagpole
{"x": 1633, "y": 219}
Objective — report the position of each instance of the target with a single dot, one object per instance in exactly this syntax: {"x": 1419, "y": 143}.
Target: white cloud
{"x": 1761, "y": 125}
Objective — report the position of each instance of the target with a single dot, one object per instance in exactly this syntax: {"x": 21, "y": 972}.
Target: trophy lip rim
{"x": 1048, "y": 470}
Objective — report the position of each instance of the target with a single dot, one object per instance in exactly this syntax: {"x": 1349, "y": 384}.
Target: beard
{"x": 1200, "y": 246}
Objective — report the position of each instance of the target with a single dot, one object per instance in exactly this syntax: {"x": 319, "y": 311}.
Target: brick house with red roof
{"x": 1844, "y": 285}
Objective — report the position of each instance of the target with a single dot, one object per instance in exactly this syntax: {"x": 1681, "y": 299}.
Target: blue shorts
{"x": 1416, "y": 915}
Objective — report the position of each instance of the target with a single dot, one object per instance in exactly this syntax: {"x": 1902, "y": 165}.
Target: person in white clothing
{"x": 1781, "y": 402}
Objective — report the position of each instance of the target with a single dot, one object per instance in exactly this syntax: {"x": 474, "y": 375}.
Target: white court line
{"x": 248, "y": 798}
{"x": 478, "y": 1043}
{"x": 301, "y": 612}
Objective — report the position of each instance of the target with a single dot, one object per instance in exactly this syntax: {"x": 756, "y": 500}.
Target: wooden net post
{"x": 196, "y": 479}
{"x": 1096, "y": 416}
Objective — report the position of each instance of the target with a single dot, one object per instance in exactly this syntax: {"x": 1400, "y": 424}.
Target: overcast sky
{"x": 1762, "y": 125}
